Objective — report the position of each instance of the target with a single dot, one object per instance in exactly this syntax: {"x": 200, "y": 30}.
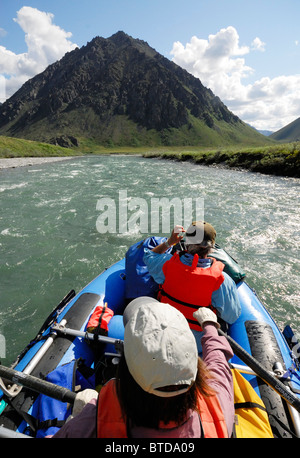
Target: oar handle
{"x": 36, "y": 384}
{"x": 272, "y": 381}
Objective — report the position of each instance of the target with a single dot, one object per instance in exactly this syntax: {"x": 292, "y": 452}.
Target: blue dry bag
{"x": 51, "y": 413}
{"x": 138, "y": 280}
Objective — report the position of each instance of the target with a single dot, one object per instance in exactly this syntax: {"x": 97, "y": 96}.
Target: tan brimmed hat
{"x": 199, "y": 232}
{"x": 159, "y": 347}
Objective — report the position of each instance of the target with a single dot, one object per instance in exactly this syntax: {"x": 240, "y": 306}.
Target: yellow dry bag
{"x": 251, "y": 418}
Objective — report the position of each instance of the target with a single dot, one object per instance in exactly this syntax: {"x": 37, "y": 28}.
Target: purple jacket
{"x": 216, "y": 353}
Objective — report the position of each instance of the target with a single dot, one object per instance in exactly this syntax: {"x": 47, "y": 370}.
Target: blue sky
{"x": 248, "y": 53}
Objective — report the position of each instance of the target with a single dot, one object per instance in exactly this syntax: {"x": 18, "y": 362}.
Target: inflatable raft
{"x": 263, "y": 355}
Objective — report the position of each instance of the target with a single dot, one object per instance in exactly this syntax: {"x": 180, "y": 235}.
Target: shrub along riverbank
{"x": 279, "y": 159}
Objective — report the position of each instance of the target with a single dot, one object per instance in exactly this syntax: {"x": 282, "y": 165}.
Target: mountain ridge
{"x": 288, "y": 133}
{"x": 120, "y": 90}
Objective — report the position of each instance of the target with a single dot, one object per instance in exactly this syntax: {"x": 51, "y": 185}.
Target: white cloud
{"x": 220, "y": 64}
{"x": 258, "y": 45}
{"x": 46, "y": 43}
{"x": 2, "y": 87}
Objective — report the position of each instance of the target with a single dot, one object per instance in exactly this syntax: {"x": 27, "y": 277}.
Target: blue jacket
{"x": 138, "y": 280}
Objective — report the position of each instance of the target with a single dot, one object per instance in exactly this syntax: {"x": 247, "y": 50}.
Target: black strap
{"x": 97, "y": 330}
{"x": 249, "y": 405}
{"x": 29, "y": 419}
{"x": 50, "y": 423}
{"x": 34, "y": 423}
{"x": 201, "y": 427}
{"x": 163, "y": 292}
{"x": 193, "y": 306}
{"x": 187, "y": 304}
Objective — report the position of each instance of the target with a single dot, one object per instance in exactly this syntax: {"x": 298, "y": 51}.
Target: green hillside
{"x": 16, "y": 147}
{"x": 289, "y": 133}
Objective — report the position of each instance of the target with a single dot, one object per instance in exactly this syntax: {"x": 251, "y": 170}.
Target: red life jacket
{"x": 111, "y": 423}
{"x": 189, "y": 287}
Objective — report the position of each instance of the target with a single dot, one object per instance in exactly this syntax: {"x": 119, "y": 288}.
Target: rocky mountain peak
{"x": 108, "y": 87}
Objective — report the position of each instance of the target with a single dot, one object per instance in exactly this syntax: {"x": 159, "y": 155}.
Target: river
{"x": 53, "y": 239}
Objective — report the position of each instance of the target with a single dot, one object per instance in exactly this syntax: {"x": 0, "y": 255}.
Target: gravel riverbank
{"x": 28, "y": 161}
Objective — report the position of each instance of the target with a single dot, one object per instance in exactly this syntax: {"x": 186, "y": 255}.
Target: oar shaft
{"x": 9, "y": 434}
{"x": 36, "y": 384}
{"x": 118, "y": 343}
{"x": 276, "y": 384}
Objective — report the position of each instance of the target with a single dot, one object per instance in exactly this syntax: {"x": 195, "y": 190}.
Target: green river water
{"x": 51, "y": 241}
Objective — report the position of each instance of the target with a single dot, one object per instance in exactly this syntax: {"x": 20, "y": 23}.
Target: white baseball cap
{"x": 159, "y": 347}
